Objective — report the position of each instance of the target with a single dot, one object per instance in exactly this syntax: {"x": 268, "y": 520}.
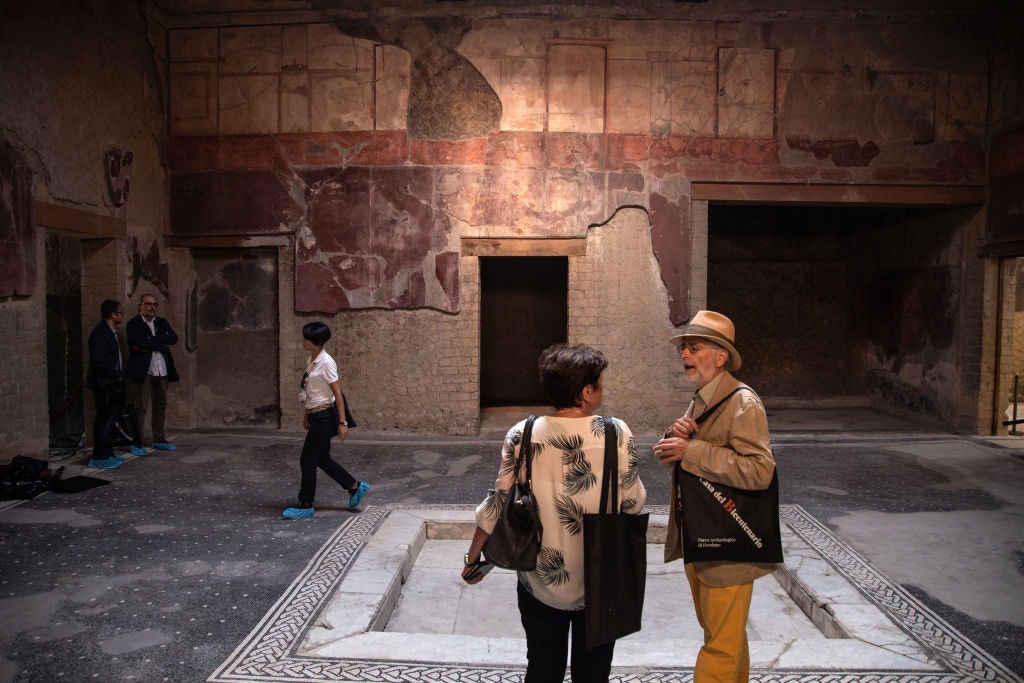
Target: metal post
{"x": 1013, "y": 429}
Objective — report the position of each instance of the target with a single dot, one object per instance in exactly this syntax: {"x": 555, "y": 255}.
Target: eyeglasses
{"x": 152, "y": 304}
{"x": 693, "y": 349}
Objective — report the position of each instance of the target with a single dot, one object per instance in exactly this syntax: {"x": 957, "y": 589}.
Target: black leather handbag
{"x": 515, "y": 541}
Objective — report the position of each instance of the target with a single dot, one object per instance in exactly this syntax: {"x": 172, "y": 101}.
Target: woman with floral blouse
{"x": 568, "y": 456}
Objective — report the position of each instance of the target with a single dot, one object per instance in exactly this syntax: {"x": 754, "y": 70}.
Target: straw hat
{"x": 713, "y": 327}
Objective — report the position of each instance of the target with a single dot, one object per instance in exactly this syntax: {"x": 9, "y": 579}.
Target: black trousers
{"x": 102, "y": 425}
{"x": 547, "y": 644}
{"x": 316, "y": 453}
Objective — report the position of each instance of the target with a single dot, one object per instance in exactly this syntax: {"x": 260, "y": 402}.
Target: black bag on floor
{"x": 614, "y": 558}
{"x": 24, "y": 478}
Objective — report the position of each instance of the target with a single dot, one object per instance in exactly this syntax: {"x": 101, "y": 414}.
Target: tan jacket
{"x": 731, "y": 447}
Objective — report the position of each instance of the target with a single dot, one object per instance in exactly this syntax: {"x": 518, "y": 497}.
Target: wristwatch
{"x": 465, "y": 560}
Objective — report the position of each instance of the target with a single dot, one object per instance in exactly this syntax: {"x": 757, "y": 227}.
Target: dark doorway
{"x": 64, "y": 353}
{"x": 523, "y": 310}
{"x": 835, "y": 301}
{"x": 237, "y": 338}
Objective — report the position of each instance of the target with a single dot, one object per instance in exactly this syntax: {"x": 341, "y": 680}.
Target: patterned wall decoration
{"x": 149, "y": 266}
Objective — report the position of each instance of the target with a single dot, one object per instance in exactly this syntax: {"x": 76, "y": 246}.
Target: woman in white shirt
{"x": 321, "y": 397}
{"x": 568, "y": 457}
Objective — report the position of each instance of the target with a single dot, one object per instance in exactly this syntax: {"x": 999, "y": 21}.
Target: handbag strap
{"x": 707, "y": 413}
{"x": 525, "y": 450}
{"x": 610, "y": 478}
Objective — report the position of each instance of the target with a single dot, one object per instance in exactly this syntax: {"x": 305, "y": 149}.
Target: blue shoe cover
{"x": 110, "y": 463}
{"x": 297, "y": 513}
{"x": 357, "y": 497}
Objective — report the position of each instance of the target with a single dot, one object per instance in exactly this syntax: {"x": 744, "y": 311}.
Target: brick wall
{"x": 618, "y": 304}
{"x": 25, "y": 428}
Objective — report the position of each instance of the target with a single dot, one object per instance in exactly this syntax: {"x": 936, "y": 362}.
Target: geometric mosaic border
{"x": 269, "y": 652}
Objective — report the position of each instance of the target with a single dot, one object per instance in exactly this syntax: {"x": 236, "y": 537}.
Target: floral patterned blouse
{"x": 568, "y": 459}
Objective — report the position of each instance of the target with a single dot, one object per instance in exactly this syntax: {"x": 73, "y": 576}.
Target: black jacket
{"x": 142, "y": 343}
{"x": 104, "y": 357}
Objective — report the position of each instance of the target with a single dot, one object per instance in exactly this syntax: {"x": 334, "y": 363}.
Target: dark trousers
{"x": 547, "y": 644}
{"x": 316, "y": 452}
{"x": 102, "y": 426}
{"x": 152, "y": 390}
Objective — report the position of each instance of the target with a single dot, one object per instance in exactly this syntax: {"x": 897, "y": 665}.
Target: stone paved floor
{"x": 167, "y": 573}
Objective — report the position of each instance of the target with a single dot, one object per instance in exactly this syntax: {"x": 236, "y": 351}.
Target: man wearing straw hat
{"x": 728, "y": 446}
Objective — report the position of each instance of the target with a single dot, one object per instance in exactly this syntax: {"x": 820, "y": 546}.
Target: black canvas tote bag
{"x": 614, "y": 558}
{"x": 721, "y": 523}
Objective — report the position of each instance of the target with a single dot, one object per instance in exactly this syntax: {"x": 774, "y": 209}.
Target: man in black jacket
{"x": 150, "y": 366}
{"x": 104, "y": 378}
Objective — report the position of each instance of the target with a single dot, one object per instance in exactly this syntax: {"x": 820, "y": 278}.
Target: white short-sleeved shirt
{"x": 321, "y": 371}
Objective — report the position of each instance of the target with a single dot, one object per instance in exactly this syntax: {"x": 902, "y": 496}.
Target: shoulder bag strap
{"x": 707, "y": 413}
{"x": 525, "y": 451}
{"x": 610, "y": 479}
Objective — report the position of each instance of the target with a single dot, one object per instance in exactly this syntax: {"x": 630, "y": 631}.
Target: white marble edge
{"x": 351, "y": 625}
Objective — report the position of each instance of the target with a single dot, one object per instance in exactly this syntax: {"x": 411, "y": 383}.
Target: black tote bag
{"x": 614, "y": 558}
{"x": 721, "y": 523}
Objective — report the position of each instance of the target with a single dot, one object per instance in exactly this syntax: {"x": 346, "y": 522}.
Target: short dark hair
{"x": 108, "y": 308}
{"x": 316, "y": 332}
{"x": 565, "y": 369}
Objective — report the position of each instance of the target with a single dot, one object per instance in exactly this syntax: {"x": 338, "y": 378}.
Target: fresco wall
{"x": 377, "y": 154}
{"x": 382, "y": 145}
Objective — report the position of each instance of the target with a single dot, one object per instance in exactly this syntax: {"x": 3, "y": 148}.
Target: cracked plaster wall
{"x": 594, "y": 115}
{"x": 381, "y": 144}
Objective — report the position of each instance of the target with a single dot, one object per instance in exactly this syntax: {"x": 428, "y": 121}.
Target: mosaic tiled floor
{"x": 298, "y": 639}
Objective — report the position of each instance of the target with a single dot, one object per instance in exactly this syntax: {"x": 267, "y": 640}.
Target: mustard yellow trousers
{"x": 722, "y": 613}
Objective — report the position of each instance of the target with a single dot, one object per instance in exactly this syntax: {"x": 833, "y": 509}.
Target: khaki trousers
{"x": 722, "y": 613}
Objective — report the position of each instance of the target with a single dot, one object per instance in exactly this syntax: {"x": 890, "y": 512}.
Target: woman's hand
{"x": 478, "y": 565}
{"x": 305, "y": 420}
{"x": 469, "y": 568}
{"x": 342, "y": 431}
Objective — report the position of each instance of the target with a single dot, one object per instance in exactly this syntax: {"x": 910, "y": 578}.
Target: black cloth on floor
{"x": 25, "y": 478}
{"x": 76, "y": 484}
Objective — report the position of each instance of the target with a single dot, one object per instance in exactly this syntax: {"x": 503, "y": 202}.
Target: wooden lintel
{"x": 845, "y": 195}
{"x": 226, "y": 241}
{"x": 1011, "y": 248}
{"x": 523, "y": 246}
{"x": 70, "y": 219}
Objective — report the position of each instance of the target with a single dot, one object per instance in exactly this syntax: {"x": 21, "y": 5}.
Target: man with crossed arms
{"x": 151, "y": 367}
